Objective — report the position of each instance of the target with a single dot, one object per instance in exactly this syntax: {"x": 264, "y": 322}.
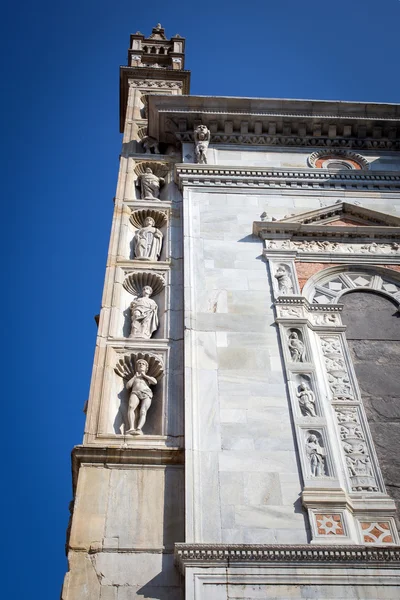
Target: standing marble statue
{"x": 285, "y": 284}
{"x": 296, "y": 347}
{"x": 316, "y": 455}
{"x": 150, "y": 185}
{"x": 306, "y": 400}
{"x": 144, "y": 315}
{"x": 140, "y": 393}
{"x": 201, "y": 141}
{"x": 148, "y": 241}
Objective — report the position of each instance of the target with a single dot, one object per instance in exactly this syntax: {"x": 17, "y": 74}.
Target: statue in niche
{"x": 285, "y": 284}
{"x": 148, "y": 241}
{"x": 296, "y": 347}
{"x": 144, "y": 315}
{"x": 149, "y": 185}
{"x": 316, "y": 455}
{"x": 140, "y": 394}
{"x": 306, "y": 400}
{"x": 201, "y": 141}
{"x": 150, "y": 145}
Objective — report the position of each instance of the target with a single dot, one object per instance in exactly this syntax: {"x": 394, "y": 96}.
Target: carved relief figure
{"x": 306, "y": 400}
{"x": 316, "y": 455}
{"x": 335, "y": 364}
{"x": 288, "y": 311}
{"x": 340, "y": 386}
{"x": 285, "y": 284}
{"x": 325, "y": 319}
{"x": 331, "y": 346}
{"x": 148, "y": 241}
{"x": 144, "y": 315}
{"x": 140, "y": 394}
{"x": 201, "y": 140}
{"x": 150, "y": 144}
{"x": 296, "y": 347}
{"x": 150, "y": 185}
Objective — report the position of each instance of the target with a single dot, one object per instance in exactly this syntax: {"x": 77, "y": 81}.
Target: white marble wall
{"x": 243, "y": 481}
{"x": 243, "y": 484}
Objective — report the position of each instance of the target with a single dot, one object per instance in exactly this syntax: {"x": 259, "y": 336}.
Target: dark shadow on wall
{"x": 373, "y": 335}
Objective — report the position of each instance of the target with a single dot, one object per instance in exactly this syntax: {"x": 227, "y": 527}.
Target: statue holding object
{"x": 148, "y": 241}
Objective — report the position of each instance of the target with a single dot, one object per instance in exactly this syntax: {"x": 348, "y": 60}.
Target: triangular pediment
{"x": 342, "y": 219}
{"x": 344, "y": 214}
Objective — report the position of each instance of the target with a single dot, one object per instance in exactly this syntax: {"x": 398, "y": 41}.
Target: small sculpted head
{"x": 281, "y": 270}
{"x": 147, "y": 291}
{"x": 149, "y": 222}
{"x": 148, "y": 170}
{"x": 202, "y": 132}
{"x": 142, "y": 365}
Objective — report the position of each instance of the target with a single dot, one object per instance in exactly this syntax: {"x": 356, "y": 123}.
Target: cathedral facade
{"x": 243, "y": 424}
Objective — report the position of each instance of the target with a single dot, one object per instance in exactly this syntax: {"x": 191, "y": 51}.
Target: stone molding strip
{"x": 250, "y": 139}
{"x": 225, "y": 176}
{"x": 123, "y": 456}
{"x": 224, "y": 555}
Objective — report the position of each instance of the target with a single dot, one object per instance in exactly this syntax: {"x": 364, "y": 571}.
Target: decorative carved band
{"x": 294, "y": 140}
{"x": 224, "y": 555}
{"x": 154, "y": 83}
{"x": 285, "y": 178}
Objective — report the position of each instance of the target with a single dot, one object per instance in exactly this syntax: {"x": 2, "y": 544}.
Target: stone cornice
{"x": 292, "y": 140}
{"x": 106, "y": 456}
{"x": 264, "y": 230}
{"x": 302, "y": 301}
{"x": 296, "y": 179}
{"x": 274, "y": 122}
{"x": 249, "y": 555}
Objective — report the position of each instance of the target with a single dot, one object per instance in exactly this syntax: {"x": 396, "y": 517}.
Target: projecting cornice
{"x": 152, "y": 78}
{"x": 274, "y": 122}
{"x": 295, "y": 179}
{"x": 229, "y": 555}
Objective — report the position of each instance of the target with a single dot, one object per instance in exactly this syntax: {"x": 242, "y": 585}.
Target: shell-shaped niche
{"x": 126, "y": 368}
{"x": 135, "y": 282}
{"x": 142, "y": 132}
{"x": 138, "y": 217}
{"x": 160, "y": 169}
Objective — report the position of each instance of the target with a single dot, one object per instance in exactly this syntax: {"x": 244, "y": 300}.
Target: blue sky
{"x": 60, "y": 121}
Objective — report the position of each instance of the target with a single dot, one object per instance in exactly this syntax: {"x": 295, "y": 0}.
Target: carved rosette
{"x": 135, "y": 282}
{"x": 126, "y": 369}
